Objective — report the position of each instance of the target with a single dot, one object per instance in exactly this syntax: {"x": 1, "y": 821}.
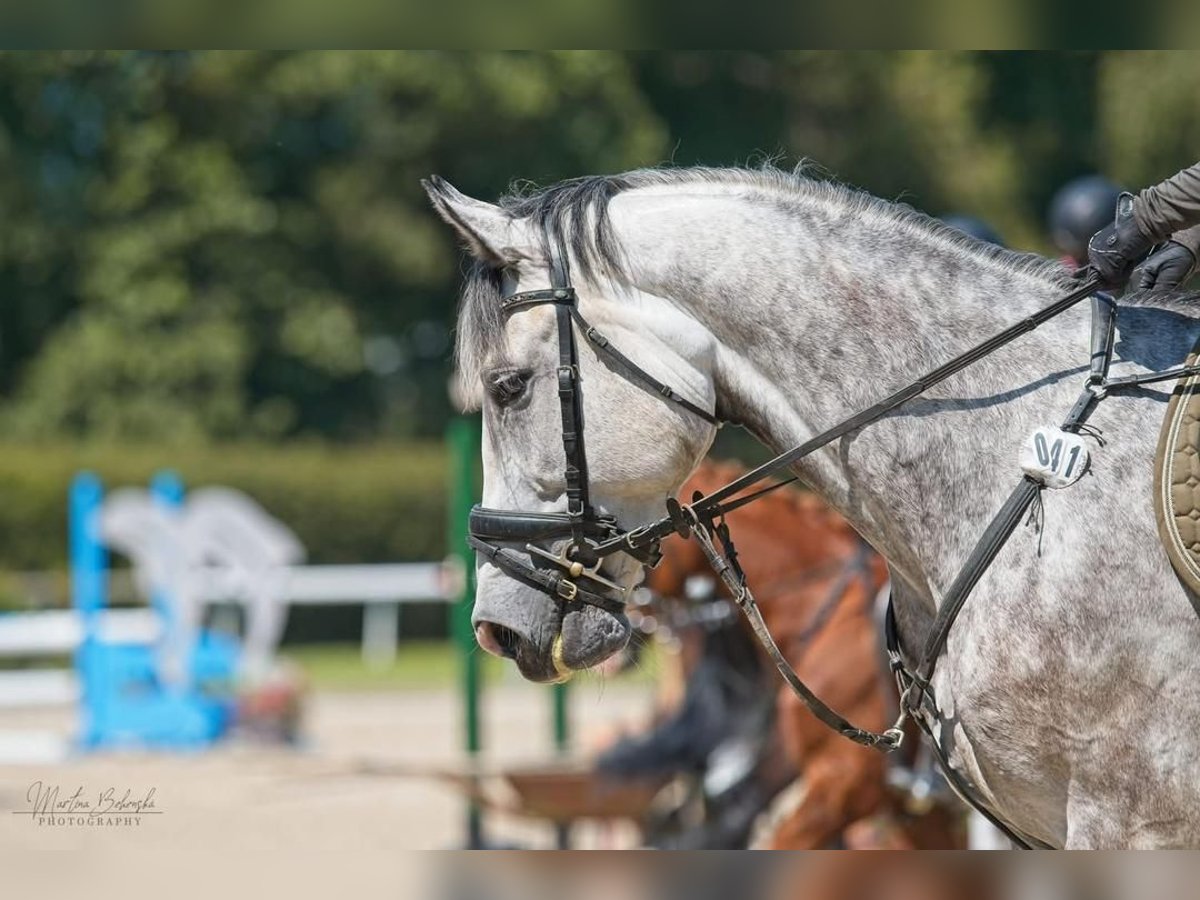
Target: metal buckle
{"x": 892, "y": 739}
{"x": 576, "y": 569}
{"x": 632, "y": 539}
{"x": 679, "y": 519}
{"x": 571, "y": 592}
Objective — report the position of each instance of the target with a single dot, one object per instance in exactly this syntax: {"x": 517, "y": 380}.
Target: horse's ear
{"x": 491, "y": 235}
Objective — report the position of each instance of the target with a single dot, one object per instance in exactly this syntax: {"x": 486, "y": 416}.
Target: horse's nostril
{"x": 509, "y": 641}
{"x": 497, "y": 640}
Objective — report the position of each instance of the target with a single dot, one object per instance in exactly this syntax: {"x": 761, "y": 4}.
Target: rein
{"x": 916, "y": 699}
{"x": 710, "y": 505}
{"x": 704, "y": 519}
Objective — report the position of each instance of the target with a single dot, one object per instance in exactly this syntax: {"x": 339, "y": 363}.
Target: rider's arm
{"x": 1189, "y": 238}
{"x": 1165, "y": 210}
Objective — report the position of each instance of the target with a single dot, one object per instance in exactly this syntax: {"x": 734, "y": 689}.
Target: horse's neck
{"x": 817, "y": 317}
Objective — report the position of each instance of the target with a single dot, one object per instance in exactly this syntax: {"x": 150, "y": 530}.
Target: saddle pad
{"x": 1177, "y": 479}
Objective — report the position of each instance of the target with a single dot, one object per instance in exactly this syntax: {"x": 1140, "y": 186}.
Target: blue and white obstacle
{"x": 170, "y": 693}
{"x": 151, "y": 676}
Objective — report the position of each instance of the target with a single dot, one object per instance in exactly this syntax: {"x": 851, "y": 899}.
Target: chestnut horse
{"x": 816, "y": 582}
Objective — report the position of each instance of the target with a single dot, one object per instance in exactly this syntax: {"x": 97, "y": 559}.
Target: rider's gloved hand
{"x": 1116, "y": 249}
{"x": 1167, "y": 267}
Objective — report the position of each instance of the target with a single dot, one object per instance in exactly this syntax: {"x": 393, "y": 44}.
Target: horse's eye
{"x": 507, "y": 386}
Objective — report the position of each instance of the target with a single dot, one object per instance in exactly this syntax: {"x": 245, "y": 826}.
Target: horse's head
{"x": 546, "y": 598}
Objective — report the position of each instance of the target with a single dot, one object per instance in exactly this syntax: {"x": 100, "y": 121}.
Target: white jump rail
{"x": 381, "y": 589}
{"x": 59, "y": 631}
{"x": 385, "y": 583}
{"x": 52, "y": 633}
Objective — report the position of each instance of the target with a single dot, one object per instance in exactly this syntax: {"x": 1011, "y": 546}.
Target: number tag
{"x": 1054, "y": 457}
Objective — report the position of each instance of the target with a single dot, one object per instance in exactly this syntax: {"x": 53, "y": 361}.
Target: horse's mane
{"x": 577, "y": 210}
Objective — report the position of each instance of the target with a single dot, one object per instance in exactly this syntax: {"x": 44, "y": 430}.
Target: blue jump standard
{"x": 125, "y": 700}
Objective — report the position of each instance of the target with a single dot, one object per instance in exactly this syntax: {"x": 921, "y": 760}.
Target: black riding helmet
{"x": 1081, "y": 207}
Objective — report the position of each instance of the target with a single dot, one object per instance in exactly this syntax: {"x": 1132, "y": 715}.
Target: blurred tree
{"x": 918, "y": 117}
{"x": 1046, "y": 103}
{"x": 1150, "y": 113}
{"x": 214, "y": 245}
{"x": 235, "y": 244}
{"x": 988, "y": 134}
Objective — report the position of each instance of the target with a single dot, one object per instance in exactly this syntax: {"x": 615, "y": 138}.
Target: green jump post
{"x": 562, "y": 744}
{"x": 464, "y": 439}
{"x": 562, "y": 722}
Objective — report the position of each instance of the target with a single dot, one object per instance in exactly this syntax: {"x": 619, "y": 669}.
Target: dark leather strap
{"x": 570, "y": 400}
{"x": 578, "y": 501}
{"x": 537, "y": 298}
{"x": 632, "y": 372}
{"x": 989, "y": 545}
{"x": 726, "y": 568}
{"x": 908, "y": 392}
{"x": 549, "y": 581}
{"x": 1151, "y": 377}
{"x": 895, "y": 655}
{"x": 1104, "y": 328}
{"x": 1023, "y": 496}
{"x": 712, "y": 503}
{"x": 508, "y": 526}
{"x": 580, "y": 519}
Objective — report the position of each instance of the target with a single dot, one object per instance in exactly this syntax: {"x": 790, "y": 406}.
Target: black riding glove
{"x": 1166, "y": 269}
{"x": 1115, "y": 249}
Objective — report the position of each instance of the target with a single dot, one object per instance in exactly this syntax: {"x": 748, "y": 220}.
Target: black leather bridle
{"x": 580, "y": 538}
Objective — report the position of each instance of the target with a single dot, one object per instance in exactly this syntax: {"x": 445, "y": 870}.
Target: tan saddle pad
{"x": 1177, "y": 479}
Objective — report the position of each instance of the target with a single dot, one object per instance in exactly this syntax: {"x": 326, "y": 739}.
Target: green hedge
{"x": 381, "y": 503}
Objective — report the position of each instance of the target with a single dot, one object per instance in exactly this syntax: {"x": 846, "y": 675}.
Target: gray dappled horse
{"x": 1070, "y": 687}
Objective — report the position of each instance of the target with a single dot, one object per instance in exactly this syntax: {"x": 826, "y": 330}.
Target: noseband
{"x": 579, "y": 539}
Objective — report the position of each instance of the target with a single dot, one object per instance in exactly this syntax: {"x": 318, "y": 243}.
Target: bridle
{"x": 585, "y": 538}
{"x": 581, "y": 537}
